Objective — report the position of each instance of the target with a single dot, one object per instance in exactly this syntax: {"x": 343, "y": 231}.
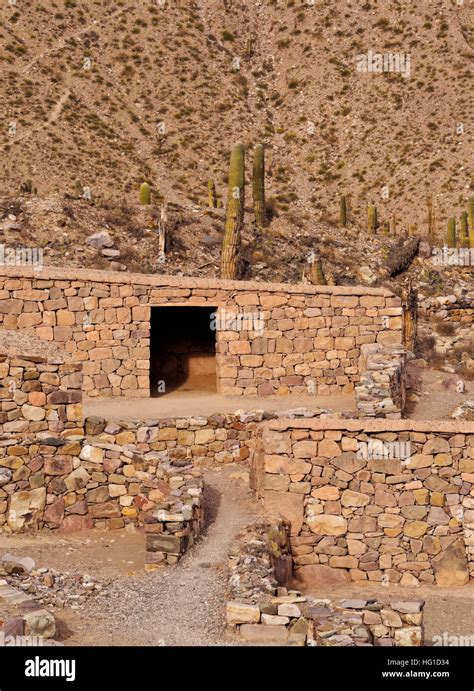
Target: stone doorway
{"x": 182, "y": 350}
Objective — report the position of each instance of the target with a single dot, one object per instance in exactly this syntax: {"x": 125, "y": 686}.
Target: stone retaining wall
{"x": 204, "y": 441}
{"x": 358, "y": 514}
{"x": 381, "y": 391}
{"x": 261, "y": 609}
{"x": 176, "y": 521}
{"x": 114, "y": 475}
{"x": 304, "y": 339}
{"x": 452, "y": 308}
{"x": 38, "y": 394}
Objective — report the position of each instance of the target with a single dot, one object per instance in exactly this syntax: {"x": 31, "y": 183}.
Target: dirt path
{"x": 183, "y": 605}
{"x": 436, "y": 401}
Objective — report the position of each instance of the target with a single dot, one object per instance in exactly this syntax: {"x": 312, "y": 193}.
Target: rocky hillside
{"x": 99, "y": 96}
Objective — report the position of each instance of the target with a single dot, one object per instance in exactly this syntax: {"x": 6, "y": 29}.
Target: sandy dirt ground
{"x": 436, "y": 400}
{"x": 177, "y": 403}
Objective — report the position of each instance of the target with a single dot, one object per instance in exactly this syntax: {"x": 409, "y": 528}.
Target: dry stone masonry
{"x": 261, "y": 608}
{"x": 381, "y": 391}
{"x": 310, "y": 341}
{"x": 175, "y": 522}
{"x": 380, "y": 500}
{"x": 39, "y": 392}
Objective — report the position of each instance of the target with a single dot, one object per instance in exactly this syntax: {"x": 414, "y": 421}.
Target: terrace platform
{"x": 199, "y": 403}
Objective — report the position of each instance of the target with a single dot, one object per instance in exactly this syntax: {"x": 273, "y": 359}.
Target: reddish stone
{"x": 265, "y": 390}
{"x": 76, "y": 524}
{"x": 107, "y": 509}
{"x": 57, "y": 397}
{"x": 58, "y": 465}
{"x": 54, "y": 513}
{"x": 14, "y": 627}
{"x": 111, "y": 464}
{"x": 36, "y": 464}
{"x": 80, "y": 508}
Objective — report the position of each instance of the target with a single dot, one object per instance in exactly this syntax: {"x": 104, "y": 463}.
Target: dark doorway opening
{"x": 182, "y": 349}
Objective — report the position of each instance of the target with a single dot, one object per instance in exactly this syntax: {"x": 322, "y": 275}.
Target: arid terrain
{"x": 364, "y": 171}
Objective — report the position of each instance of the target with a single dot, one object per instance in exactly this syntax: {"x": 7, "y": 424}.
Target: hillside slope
{"x": 101, "y": 95}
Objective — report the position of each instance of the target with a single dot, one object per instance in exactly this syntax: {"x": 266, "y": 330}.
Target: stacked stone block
{"x": 369, "y": 516}
{"x": 262, "y": 609}
{"x": 38, "y": 394}
{"x": 176, "y": 521}
{"x": 381, "y": 391}
{"x": 310, "y": 341}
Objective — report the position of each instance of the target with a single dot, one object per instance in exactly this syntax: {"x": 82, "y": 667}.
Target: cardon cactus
{"x": 371, "y": 218}
{"x": 464, "y": 232}
{"x": 211, "y": 188}
{"x": 343, "y": 211}
{"x": 451, "y": 236}
{"x": 259, "y": 185}
{"x": 471, "y": 221}
{"x": 234, "y": 213}
{"x": 316, "y": 272}
{"x": 145, "y": 194}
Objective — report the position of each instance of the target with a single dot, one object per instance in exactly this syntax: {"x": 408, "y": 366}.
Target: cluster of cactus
{"x": 259, "y": 185}
{"x": 372, "y": 222}
{"x": 234, "y": 213}
{"x": 464, "y": 238}
{"x": 343, "y": 211}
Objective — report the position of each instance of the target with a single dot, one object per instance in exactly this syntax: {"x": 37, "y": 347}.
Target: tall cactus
{"x": 451, "y": 235}
{"x": 471, "y": 221}
{"x": 464, "y": 232}
{"x": 343, "y": 211}
{"x": 211, "y": 188}
{"x": 259, "y": 185}
{"x": 372, "y": 218}
{"x": 145, "y": 194}
{"x": 234, "y": 213}
{"x": 431, "y": 218}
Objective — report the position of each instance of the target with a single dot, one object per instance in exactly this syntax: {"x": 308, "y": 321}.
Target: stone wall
{"x": 363, "y": 505}
{"x": 381, "y": 391}
{"x": 176, "y": 521}
{"x": 301, "y": 339}
{"x": 261, "y": 609}
{"x": 39, "y": 393}
{"x": 114, "y": 475}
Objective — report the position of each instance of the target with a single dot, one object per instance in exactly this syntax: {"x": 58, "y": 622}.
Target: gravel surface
{"x": 181, "y": 605}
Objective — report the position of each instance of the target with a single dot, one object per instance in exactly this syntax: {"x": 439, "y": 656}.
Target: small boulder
{"x": 99, "y": 240}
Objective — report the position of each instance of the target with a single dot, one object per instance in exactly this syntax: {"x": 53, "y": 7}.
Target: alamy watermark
{"x": 21, "y": 256}
{"x": 377, "y": 63}
{"x": 237, "y": 321}
{"x": 452, "y": 640}
{"x": 20, "y": 641}
{"x": 376, "y": 449}
{"x": 452, "y": 256}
